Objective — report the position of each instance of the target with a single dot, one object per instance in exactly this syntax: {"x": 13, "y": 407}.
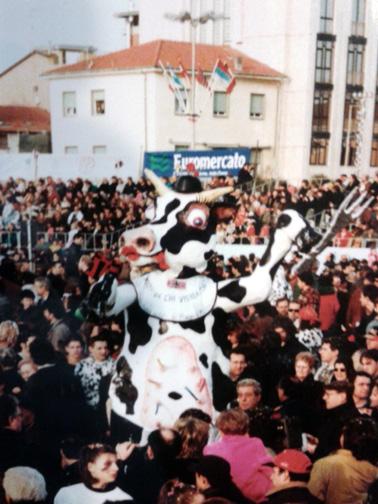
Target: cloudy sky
{"x": 29, "y": 24}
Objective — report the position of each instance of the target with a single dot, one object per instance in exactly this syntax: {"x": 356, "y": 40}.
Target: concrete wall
{"x": 65, "y": 167}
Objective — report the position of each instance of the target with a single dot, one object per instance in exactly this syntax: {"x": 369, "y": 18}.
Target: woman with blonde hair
{"x": 308, "y": 392}
{"x": 194, "y": 437}
{"x": 9, "y": 333}
{"x": 194, "y": 434}
{"x": 304, "y": 365}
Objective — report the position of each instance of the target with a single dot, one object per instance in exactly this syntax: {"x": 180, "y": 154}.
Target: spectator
{"x": 15, "y": 450}
{"x": 72, "y": 255}
{"x": 59, "y": 332}
{"x": 194, "y": 437}
{"x": 288, "y": 346}
{"x": 56, "y": 275}
{"x": 329, "y": 353}
{"x": 374, "y": 399}
{"x": 6, "y": 311}
{"x": 92, "y": 369}
{"x": 54, "y": 396}
{"x": 26, "y": 369}
{"x": 226, "y": 387}
{"x": 361, "y": 390}
{"x": 329, "y": 305}
{"x": 339, "y": 408}
{"x": 308, "y": 296}
{"x": 8, "y": 334}
{"x": 238, "y": 364}
{"x": 345, "y": 476}
{"x": 293, "y": 313}
{"x": 253, "y": 479}
{"x": 282, "y": 307}
{"x": 213, "y": 479}
{"x": 248, "y": 394}
{"x": 98, "y": 470}
{"x": 290, "y": 475}
{"x": 368, "y": 299}
{"x": 371, "y": 336}
{"x": 69, "y": 462}
{"x": 369, "y": 362}
{"x": 73, "y": 351}
{"x": 155, "y": 463}
{"x": 24, "y": 485}
{"x": 28, "y": 314}
{"x": 343, "y": 370}
{"x": 176, "y": 492}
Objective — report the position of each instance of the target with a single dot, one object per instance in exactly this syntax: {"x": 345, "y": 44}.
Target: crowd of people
{"x": 298, "y": 409}
{"x": 102, "y": 211}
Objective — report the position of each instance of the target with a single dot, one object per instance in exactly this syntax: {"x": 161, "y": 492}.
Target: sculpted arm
{"x": 234, "y": 294}
{"x": 107, "y": 297}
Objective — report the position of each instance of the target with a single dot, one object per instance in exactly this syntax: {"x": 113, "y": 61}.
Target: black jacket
{"x": 331, "y": 423}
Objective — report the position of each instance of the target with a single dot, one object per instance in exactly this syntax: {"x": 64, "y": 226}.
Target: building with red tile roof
{"x": 175, "y": 53}
{"x": 19, "y": 125}
{"x": 18, "y": 119}
{"x": 120, "y": 105}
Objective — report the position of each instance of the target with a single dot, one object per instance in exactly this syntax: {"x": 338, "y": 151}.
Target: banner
{"x": 203, "y": 164}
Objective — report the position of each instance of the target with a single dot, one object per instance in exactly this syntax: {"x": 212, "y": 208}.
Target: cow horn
{"x": 213, "y": 194}
{"x": 159, "y": 185}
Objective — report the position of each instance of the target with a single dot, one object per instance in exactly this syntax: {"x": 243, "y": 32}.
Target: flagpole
{"x": 194, "y": 22}
{"x": 193, "y": 107}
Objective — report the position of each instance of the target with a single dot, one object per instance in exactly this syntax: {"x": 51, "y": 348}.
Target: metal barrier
{"x": 100, "y": 241}
{"x": 10, "y": 239}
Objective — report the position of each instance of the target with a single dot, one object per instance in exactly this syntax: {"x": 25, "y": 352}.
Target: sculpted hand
{"x": 100, "y": 297}
{"x": 351, "y": 208}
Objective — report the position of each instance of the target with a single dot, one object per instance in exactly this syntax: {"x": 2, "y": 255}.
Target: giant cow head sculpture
{"x": 181, "y": 227}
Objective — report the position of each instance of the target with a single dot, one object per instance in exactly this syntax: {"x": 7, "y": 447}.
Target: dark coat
{"x": 292, "y": 495}
{"x": 143, "y": 477}
{"x": 15, "y": 451}
{"x": 56, "y": 398}
{"x": 331, "y": 423}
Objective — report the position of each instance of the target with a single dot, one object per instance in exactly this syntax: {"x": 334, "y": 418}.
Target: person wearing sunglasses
{"x": 343, "y": 371}
{"x": 293, "y": 313}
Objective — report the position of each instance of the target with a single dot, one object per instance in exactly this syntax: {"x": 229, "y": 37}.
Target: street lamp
{"x": 184, "y": 17}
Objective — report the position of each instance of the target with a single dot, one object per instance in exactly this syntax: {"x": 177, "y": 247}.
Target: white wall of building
{"x": 23, "y": 84}
{"x": 121, "y": 129}
{"x": 140, "y": 115}
{"x": 66, "y": 167}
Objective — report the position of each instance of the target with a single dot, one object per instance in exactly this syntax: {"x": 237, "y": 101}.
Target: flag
{"x": 222, "y": 77}
{"x": 183, "y": 75}
{"x": 178, "y": 83}
{"x": 201, "y": 79}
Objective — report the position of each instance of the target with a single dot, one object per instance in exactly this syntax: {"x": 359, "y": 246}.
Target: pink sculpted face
{"x": 174, "y": 383}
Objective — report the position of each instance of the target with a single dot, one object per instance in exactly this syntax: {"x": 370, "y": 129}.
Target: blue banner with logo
{"x": 203, "y": 164}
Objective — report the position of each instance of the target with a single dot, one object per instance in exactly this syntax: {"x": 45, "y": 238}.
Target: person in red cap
{"x": 290, "y": 475}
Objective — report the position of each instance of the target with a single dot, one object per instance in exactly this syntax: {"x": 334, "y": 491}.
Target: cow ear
{"x": 224, "y": 212}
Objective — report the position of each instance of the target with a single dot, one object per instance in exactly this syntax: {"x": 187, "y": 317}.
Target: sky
{"x": 29, "y": 24}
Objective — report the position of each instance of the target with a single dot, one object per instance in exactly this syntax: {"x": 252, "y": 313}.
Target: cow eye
{"x": 197, "y": 217}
